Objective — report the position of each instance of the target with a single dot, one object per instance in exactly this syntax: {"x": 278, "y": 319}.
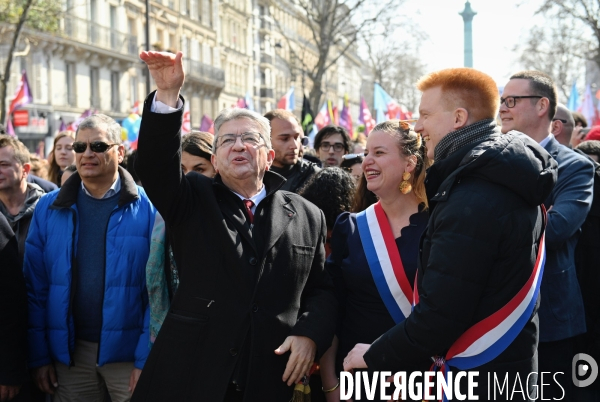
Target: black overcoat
{"x": 477, "y": 252}
{"x": 238, "y": 286}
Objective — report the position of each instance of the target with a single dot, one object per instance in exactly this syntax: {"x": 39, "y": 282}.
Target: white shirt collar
{"x": 546, "y": 140}
{"x": 114, "y": 189}
{"x": 256, "y": 199}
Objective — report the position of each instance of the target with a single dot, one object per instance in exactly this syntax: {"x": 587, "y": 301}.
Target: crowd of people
{"x": 246, "y": 266}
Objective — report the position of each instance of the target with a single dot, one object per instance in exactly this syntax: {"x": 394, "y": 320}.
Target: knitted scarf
{"x": 470, "y": 134}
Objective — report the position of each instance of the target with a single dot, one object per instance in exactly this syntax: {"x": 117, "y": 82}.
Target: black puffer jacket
{"x": 297, "y": 175}
{"x": 476, "y": 254}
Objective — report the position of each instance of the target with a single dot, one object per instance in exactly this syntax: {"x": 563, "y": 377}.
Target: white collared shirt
{"x": 159, "y": 107}
{"x": 256, "y": 199}
{"x": 114, "y": 189}
{"x": 546, "y": 140}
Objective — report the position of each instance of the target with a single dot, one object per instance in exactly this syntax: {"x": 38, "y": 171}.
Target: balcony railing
{"x": 91, "y": 33}
{"x": 204, "y": 72}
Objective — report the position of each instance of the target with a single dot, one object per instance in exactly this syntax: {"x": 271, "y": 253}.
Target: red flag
{"x": 22, "y": 95}
{"x": 323, "y": 118}
{"x": 365, "y": 117}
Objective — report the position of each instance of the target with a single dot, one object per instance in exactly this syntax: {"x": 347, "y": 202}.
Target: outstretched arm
{"x": 159, "y": 155}
{"x": 167, "y": 71}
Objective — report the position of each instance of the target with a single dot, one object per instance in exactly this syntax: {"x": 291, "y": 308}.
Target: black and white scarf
{"x": 455, "y": 140}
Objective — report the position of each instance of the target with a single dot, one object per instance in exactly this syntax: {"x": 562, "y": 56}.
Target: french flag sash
{"x": 484, "y": 341}
{"x": 384, "y": 261}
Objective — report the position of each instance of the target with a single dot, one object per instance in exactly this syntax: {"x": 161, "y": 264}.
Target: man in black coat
{"x": 252, "y": 282}
{"x": 287, "y": 139}
{"x": 13, "y": 316}
{"x": 484, "y": 190}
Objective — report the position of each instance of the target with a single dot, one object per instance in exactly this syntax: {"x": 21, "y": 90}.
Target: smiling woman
{"x": 394, "y": 171}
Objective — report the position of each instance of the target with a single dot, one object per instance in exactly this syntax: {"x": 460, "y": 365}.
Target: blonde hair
{"x": 409, "y": 143}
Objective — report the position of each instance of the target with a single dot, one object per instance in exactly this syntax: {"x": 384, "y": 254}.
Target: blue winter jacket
{"x": 51, "y": 275}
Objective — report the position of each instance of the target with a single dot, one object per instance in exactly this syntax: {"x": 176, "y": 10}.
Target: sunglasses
{"x": 96, "y": 146}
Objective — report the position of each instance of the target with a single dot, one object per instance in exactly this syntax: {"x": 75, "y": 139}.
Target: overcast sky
{"x": 498, "y": 26}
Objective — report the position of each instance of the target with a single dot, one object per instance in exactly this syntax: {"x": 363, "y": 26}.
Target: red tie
{"x": 249, "y": 204}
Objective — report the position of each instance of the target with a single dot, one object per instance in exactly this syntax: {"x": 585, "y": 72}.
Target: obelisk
{"x": 467, "y": 15}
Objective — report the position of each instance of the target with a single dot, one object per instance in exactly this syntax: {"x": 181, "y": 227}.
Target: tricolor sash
{"x": 484, "y": 341}
{"x": 384, "y": 261}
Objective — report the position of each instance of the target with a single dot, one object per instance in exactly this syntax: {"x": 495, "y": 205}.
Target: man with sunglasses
{"x": 254, "y": 307}
{"x": 85, "y": 261}
{"x": 528, "y": 105}
{"x": 331, "y": 144}
{"x": 287, "y": 138}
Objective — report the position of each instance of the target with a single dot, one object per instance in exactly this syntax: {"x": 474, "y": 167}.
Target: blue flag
{"x": 573, "y": 102}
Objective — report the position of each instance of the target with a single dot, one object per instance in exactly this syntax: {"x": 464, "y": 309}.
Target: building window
{"x": 185, "y": 48}
{"x": 114, "y": 23}
{"x": 195, "y": 50}
{"x": 133, "y": 90}
{"x": 94, "y": 87}
{"x": 184, "y": 7}
{"x": 206, "y": 12}
{"x": 160, "y": 37}
{"x": 114, "y": 91}
{"x": 173, "y": 44}
{"x": 131, "y": 27}
{"x": 194, "y": 9}
{"x": 70, "y": 84}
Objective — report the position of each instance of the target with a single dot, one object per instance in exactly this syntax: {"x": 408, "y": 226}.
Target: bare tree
{"x": 557, "y": 48}
{"x": 395, "y": 64}
{"x": 15, "y": 16}
{"x": 581, "y": 13}
{"x": 334, "y": 27}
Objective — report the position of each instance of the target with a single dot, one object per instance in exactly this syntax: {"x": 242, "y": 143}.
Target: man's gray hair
{"x": 102, "y": 121}
{"x": 239, "y": 113}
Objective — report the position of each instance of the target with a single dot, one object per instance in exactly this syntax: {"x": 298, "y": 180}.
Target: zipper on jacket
{"x": 104, "y": 285}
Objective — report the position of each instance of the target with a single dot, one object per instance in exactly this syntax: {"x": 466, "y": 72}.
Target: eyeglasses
{"x": 250, "y": 138}
{"x": 326, "y": 146}
{"x": 511, "y": 101}
{"x": 96, "y": 146}
{"x": 304, "y": 141}
{"x": 563, "y": 121}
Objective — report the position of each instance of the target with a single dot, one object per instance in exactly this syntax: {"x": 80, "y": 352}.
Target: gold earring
{"x": 405, "y": 187}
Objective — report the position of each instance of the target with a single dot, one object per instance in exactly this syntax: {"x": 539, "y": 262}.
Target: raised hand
{"x": 167, "y": 71}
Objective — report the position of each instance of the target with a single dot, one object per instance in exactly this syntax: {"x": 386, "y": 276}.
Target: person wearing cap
{"x": 287, "y": 139}
{"x": 593, "y": 134}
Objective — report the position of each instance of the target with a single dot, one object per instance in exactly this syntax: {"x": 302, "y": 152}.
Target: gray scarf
{"x": 470, "y": 134}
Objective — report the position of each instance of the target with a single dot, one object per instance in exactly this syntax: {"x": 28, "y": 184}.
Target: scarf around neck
{"x": 470, "y": 134}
